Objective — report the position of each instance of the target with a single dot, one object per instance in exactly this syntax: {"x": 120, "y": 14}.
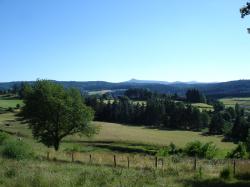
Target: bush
{"x": 239, "y": 152}
{"x": 193, "y": 148}
{"x": 171, "y": 149}
{"x": 3, "y": 137}
{"x": 17, "y": 106}
{"x": 16, "y": 150}
{"x": 163, "y": 151}
{"x": 209, "y": 150}
{"x": 10, "y": 109}
{"x": 196, "y": 148}
{"x": 226, "y": 173}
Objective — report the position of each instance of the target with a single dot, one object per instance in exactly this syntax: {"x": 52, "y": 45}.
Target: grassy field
{"x": 7, "y": 101}
{"x": 242, "y": 101}
{"x": 99, "y": 92}
{"x": 133, "y": 142}
{"x": 203, "y": 106}
{"x": 59, "y": 170}
{"x": 120, "y": 134}
{"x": 117, "y": 134}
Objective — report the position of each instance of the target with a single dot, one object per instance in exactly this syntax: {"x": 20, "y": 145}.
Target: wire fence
{"x": 137, "y": 161}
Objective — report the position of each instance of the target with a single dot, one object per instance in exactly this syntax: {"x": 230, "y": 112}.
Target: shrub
{"x": 163, "y": 151}
{"x": 209, "y": 150}
{"x": 3, "y": 137}
{"x": 171, "y": 149}
{"x": 239, "y": 152}
{"x": 226, "y": 173}
{"x": 16, "y": 150}
{"x": 196, "y": 148}
{"x": 17, "y": 106}
{"x": 193, "y": 148}
{"x": 10, "y": 109}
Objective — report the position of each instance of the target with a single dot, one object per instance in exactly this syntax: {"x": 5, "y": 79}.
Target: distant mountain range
{"x": 238, "y": 88}
{"x": 160, "y": 82}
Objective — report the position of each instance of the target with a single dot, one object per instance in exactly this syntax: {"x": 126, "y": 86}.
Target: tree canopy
{"x": 245, "y": 10}
{"x": 54, "y": 112}
{"x": 195, "y": 96}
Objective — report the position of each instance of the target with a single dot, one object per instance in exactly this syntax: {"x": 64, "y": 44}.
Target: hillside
{"x": 238, "y": 88}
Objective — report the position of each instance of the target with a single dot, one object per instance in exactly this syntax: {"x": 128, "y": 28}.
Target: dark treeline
{"x": 142, "y": 107}
{"x": 233, "y": 123}
{"x": 195, "y": 96}
{"x": 138, "y": 94}
{"x": 158, "y": 112}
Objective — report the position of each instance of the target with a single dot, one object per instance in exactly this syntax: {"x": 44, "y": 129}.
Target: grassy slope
{"x": 118, "y": 132}
{"x": 64, "y": 173}
{"x": 121, "y": 133}
{"x": 126, "y": 134}
{"x": 245, "y": 101}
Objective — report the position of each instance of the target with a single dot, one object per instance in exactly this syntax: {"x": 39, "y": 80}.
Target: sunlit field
{"x": 244, "y": 102}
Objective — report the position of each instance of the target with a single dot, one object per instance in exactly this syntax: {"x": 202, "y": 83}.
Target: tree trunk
{"x": 56, "y": 144}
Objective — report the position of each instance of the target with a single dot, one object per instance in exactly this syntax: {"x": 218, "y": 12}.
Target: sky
{"x": 116, "y": 40}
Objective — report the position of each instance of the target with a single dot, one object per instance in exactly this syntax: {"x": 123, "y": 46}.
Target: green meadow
{"x": 71, "y": 165}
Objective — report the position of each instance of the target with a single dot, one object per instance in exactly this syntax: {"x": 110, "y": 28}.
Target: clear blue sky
{"x": 116, "y": 40}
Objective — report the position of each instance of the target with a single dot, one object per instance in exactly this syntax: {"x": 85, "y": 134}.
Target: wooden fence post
{"x": 156, "y": 162}
{"x": 90, "y": 159}
{"x": 195, "y": 163}
{"x": 114, "y": 161}
{"x": 128, "y": 161}
{"x": 72, "y": 157}
{"x": 234, "y": 167}
{"x": 48, "y": 155}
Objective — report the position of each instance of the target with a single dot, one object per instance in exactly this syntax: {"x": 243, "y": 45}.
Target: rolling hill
{"x": 238, "y": 88}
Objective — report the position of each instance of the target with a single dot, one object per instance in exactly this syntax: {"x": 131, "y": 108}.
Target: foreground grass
{"x": 34, "y": 173}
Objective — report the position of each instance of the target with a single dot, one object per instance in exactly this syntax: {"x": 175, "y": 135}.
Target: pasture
{"x": 203, "y": 106}
{"x": 116, "y": 135}
{"x": 113, "y": 135}
{"x": 7, "y": 101}
{"x": 244, "y": 102}
{"x": 72, "y": 165}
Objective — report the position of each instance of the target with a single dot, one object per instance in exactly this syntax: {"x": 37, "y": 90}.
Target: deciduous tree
{"x": 54, "y": 113}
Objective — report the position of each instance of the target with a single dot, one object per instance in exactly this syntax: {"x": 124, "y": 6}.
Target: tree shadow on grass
{"x": 216, "y": 183}
{"x": 122, "y": 148}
